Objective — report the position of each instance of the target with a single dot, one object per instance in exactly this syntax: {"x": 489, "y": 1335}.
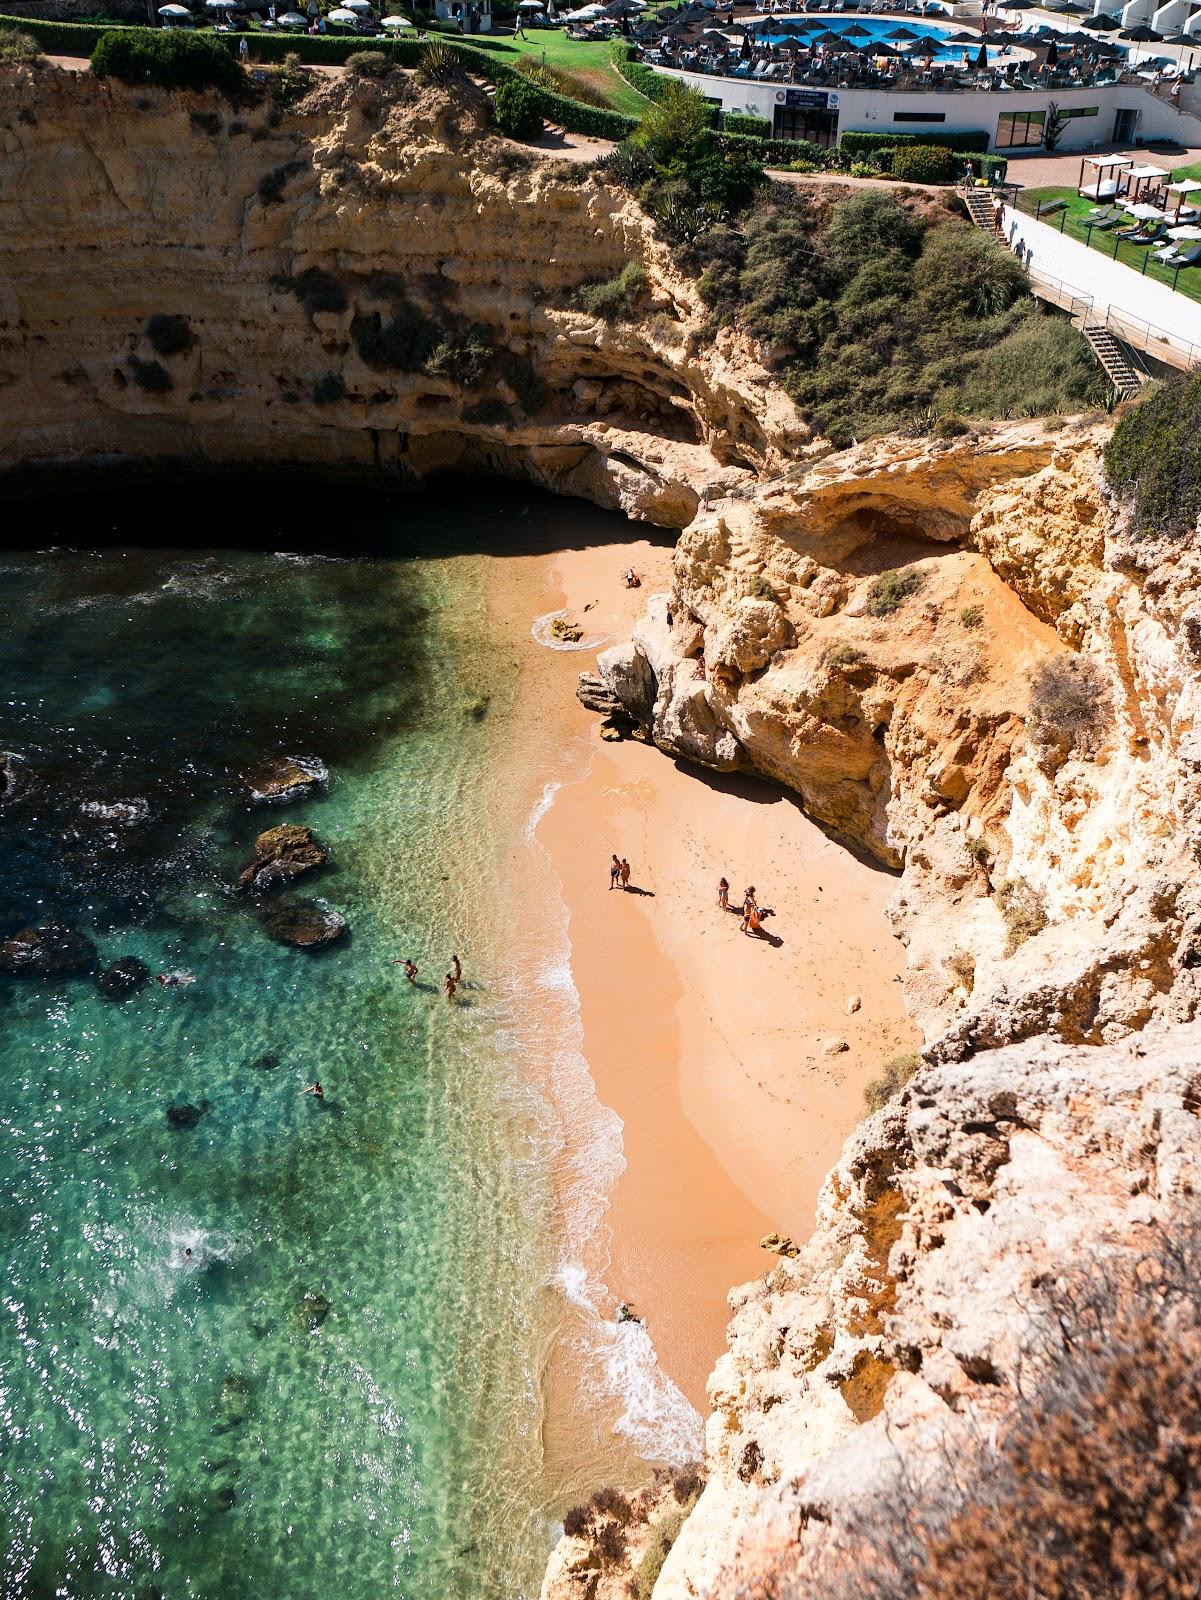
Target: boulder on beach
{"x": 276, "y": 780}
{"x": 47, "y": 951}
{"x": 124, "y": 978}
{"x": 306, "y": 924}
{"x": 281, "y": 854}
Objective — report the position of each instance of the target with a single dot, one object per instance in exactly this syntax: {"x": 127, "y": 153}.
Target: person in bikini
{"x": 449, "y": 985}
{"x": 723, "y": 894}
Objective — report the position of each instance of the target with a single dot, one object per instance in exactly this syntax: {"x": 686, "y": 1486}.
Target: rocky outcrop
{"x": 304, "y": 924}
{"x": 868, "y": 633}
{"x": 280, "y": 855}
{"x": 364, "y": 282}
{"x": 47, "y": 952}
{"x": 277, "y": 780}
{"x": 921, "y": 1311}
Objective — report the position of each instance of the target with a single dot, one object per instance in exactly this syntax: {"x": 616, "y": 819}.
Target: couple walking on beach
{"x": 752, "y": 915}
{"x": 619, "y": 873}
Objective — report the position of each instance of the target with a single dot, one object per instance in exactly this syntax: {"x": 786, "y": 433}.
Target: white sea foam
{"x": 541, "y": 634}
{"x": 126, "y": 812}
{"x": 619, "y": 1366}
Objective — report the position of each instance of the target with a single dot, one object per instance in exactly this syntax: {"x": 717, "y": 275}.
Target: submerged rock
{"x": 314, "y": 1308}
{"x": 124, "y": 978}
{"x": 280, "y": 779}
{"x": 306, "y": 924}
{"x": 281, "y": 854}
{"x": 8, "y": 774}
{"x": 47, "y": 951}
{"x": 186, "y": 1115}
{"x": 264, "y": 1063}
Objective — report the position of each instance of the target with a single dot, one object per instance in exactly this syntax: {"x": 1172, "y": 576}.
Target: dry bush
{"x": 612, "y": 1503}
{"x": 1069, "y": 702}
{"x": 893, "y": 1077}
{"x": 1022, "y": 910}
{"x": 1092, "y": 1491}
{"x": 891, "y": 589}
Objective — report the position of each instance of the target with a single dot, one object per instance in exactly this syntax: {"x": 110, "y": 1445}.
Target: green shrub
{"x": 19, "y": 47}
{"x": 978, "y": 849}
{"x": 891, "y": 589}
{"x": 1022, "y": 911}
{"x": 844, "y": 655}
{"x": 369, "y": 64}
{"x": 972, "y": 616}
{"x": 736, "y": 122}
{"x": 1069, "y": 701}
{"x": 169, "y": 58}
{"x": 924, "y": 163}
{"x": 438, "y": 63}
{"x": 150, "y": 376}
{"x": 761, "y": 589}
{"x": 56, "y": 38}
{"x": 667, "y": 1531}
{"x": 617, "y": 297}
{"x": 892, "y": 1078}
{"x": 516, "y": 108}
{"x": 864, "y": 142}
{"x": 167, "y": 335}
{"x": 1153, "y": 459}
{"x": 327, "y": 389}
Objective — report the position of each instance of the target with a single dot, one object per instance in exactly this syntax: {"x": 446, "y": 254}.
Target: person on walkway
{"x": 243, "y": 51}
{"x": 456, "y": 967}
{"x": 449, "y": 985}
{"x": 614, "y": 873}
{"x": 625, "y": 873}
{"x": 723, "y": 894}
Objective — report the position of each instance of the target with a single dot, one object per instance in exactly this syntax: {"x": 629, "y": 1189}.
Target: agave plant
{"x": 439, "y": 63}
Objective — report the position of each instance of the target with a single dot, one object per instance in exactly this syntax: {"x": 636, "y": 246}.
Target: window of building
{"x": 1082, "y": 111}
{"x": 919, "y": 116}
{"x": 1018, "y": 128}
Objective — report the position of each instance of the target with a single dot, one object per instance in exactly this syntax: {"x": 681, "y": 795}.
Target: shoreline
{"x": 683, "y": 1060}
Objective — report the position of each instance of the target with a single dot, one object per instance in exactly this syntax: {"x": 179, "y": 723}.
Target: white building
{"x": 473, "y": 16}
{"x": 1014, "y": 119}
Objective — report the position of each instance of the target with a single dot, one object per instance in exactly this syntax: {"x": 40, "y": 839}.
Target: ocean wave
{"x": 541, "y": 634}
{"x": 620, "y": 1366}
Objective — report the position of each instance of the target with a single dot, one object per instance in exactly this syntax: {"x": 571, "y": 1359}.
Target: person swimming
{"x": 315, "y": 1090}
{"x": 174, "y": 980}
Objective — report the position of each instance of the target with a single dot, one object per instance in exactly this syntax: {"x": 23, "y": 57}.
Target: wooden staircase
{"x": 980, "y": 208}
{"x": 1112, "y": 358}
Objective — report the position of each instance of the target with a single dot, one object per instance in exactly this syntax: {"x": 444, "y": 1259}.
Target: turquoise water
{"x": 189, "y": 1425}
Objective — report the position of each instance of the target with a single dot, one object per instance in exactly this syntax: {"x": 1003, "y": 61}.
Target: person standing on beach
{"x": 614, "y": 873}
{"x": 752, "y": 923}
{"x": 625, "y": 873}
{"x": 450, "y": 986}
{"x": 749, "y": 904}
{"x": 723, "y": 894}
{"x": 456, "y": 968}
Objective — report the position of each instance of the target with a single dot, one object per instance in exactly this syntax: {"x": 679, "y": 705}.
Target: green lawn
{"x": 1188, "y": 282}
{"x": 591, "y": 60}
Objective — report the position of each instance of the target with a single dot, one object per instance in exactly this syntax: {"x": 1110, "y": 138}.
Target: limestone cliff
{"x": 302, "y": 252}
{"x": 868, "y": 631}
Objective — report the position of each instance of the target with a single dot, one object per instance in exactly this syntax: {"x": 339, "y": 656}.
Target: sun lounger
{"x": 1051, "y": 208}
{"x": 1188, "y": 258}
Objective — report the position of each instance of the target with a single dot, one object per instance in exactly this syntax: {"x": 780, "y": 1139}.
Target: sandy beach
{"x": 711, "y": 1046}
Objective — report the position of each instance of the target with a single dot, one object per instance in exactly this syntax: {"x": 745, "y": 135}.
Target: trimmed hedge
{"x": 924, "y": 163}
{"x": 738, "y": 122}
{"x": 778, "y": 152}
{"x": 650, "y": 84}
{"x": 861, "y": 142}
{"x": 169, "y": 58}
{"x": 78, "y": 39}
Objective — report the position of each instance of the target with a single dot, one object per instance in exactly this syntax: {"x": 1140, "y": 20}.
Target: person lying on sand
{"x": 632, "y": 580}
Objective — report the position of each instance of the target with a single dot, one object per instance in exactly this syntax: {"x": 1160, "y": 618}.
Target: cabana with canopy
{"x": 1143, "y": 184}
{"x": 1183, "y": 187}
{"x": 1104, "y": 186}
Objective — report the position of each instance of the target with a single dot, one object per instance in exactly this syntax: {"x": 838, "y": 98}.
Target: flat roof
{"x": 1147, "y": 172}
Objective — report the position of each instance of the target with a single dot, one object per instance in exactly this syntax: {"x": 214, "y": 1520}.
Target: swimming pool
{"x": 869, "y": 31}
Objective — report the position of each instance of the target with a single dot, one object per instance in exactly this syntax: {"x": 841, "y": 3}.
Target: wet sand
{"x": 707, "y": 1043}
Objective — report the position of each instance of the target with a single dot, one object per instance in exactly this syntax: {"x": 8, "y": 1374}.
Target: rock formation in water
{"x": 368, "y": 283}
{"x": 280, "y": 855}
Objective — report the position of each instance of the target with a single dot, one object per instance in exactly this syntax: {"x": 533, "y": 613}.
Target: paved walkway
{"x": 1062, "y": 169}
